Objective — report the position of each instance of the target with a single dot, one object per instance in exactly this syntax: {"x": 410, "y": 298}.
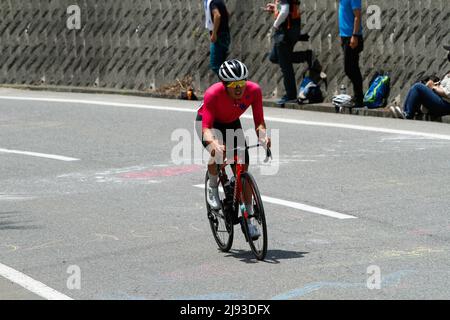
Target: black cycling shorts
{"x": 222, "y": 128}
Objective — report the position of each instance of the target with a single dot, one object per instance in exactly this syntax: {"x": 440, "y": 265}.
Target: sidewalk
{"x": 271, "y": 103}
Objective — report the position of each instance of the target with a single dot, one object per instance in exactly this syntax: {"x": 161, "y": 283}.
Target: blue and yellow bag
{"x": 378, "y": 94}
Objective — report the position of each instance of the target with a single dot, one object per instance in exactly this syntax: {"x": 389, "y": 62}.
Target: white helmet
{"x": 343, "y": 101}
{"x": 233, "y": 70}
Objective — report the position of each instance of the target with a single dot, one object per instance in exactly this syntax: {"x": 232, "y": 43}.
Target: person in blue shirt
{"x": 351, "y": 32}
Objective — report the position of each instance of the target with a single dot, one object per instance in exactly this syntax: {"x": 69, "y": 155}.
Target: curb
{"x": 320, "y": 107}
{"x": 329, "y": 108}
{"x": 124, "y": 92}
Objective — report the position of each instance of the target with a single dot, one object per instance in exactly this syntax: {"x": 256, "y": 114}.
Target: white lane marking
{"x": 30, "y": 284}
{"x": 360, "y": 128}
{"x": 307, "y": 208}
{"x": 40, "y": 155}
{"x": 101, "y": 103}
{"x": 273, "y": 119}
{"x": 6, "y": 197}
{"x": 300, "y": 206}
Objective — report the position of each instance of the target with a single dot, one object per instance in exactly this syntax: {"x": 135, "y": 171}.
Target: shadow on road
{"x": 7, "y": 222}
{"x": 273, "y": 256}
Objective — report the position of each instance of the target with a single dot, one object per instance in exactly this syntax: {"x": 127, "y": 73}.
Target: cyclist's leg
{"x": 212, "y": 163}
{"x": 214, "y": 158}
{"x": 235, "y": 134}
{"x": 213, "y": 174}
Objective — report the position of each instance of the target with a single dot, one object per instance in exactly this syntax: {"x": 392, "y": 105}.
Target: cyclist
{"x": 218, "y": 117}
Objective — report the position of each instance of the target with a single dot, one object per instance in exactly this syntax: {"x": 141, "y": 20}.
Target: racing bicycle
{"x": 233, "y": 211}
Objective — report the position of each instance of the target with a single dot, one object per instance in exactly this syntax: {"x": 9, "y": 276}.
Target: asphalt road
{"x": 133, "y": 226}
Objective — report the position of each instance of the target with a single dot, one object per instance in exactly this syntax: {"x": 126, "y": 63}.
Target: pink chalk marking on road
{"x": 163, "y": 172}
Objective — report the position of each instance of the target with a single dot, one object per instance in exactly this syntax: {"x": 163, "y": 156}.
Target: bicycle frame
{"x": 240, "y": 169}
{"x": 238, "y": 190}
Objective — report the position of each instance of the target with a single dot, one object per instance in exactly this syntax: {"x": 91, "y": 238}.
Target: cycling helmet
{"x": 343, "y": 101}
{"x": 233, "y": 70}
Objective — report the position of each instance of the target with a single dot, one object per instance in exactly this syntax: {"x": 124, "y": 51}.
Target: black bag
{"x": 303, "y": 37}
{"x": 423, "y": 78}
{"x": 189, "y": 94}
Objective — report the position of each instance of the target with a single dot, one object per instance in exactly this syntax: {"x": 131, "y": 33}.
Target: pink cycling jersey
{"x": 219, "y": 107}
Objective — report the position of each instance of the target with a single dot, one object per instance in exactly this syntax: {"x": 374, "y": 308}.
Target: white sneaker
{"x": 393, "y": 111}
{"x": 253, "y": 231}
{"x": 397, "y": 112}
{"x": 213, "y": 198}
{"x": 424, "y": 110}
{"x": 400, "y": 112}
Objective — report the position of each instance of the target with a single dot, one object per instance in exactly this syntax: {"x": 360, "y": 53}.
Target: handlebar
{"x": 268, "y": 151}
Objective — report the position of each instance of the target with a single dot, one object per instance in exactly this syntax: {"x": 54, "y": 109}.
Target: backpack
{"x": 294, "y": 13}
{"x": 378, "y": 94}
{"x": 189, "y": 94}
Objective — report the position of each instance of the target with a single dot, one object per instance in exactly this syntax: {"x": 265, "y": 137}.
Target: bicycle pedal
{"x": 212, "y": 216}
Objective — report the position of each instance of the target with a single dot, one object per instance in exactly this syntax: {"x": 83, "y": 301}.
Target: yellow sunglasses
{"x": 236, "y": 84}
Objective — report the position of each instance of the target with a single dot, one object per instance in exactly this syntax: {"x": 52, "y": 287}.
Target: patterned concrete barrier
{"x": 144, "y": 44}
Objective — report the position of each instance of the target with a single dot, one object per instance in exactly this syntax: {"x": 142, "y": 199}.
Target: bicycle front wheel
{"x": 258, "y": 244}
{"x": 220, "y": 222}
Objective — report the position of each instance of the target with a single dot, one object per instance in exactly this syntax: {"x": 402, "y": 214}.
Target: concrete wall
{"x": 144, "y": 44}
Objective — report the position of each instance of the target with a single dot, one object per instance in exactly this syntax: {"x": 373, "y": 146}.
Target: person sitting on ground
{"x": 434, "y": 96}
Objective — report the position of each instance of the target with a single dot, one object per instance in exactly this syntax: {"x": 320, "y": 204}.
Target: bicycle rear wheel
{"x": 220, "y": 222}
{"x": 258, "y": 219}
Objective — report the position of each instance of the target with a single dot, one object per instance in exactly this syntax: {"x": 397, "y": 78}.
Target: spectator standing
{"x": 351, "y": 32}
{"x": 217, "y": 17}
{"x": 286, "y": 34}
